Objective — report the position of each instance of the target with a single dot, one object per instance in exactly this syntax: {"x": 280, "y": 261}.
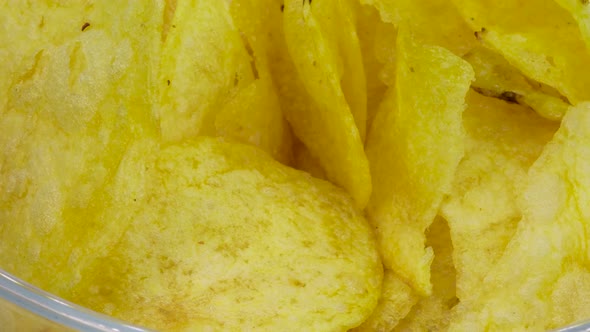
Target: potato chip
{"x": 333, "y": 71}
{"x": 204, "y": 63}
{"x": 495, "y": 77}
{"x": 72, "y": 108}
{"x": 220, "y": 236}
{"x": 414, "y": 147}
{"x": 433, "y": 313}
{"x": 169, "y": 10}
{"x": 27, "y": 29}
{"x": 262, "y": 24}
{"x": 397, "y": 298}
{"x": 209, "y": 82}
{"x": 580, "y": 10}
{"x": 503, "y": 140}
{"x": 328, "y": 119}
{"x": 337, "y": 20}
{"x": 254, "y": 116}
{"x": 252, "y": 19}
{"x": 538, "y": 37}
{"x": 368, "y": 23}
{"x": 551, "y": 235}
{"x": 436, "y": 22}
{"x": 569, "y": 299}
{"x": 386, "y": 53}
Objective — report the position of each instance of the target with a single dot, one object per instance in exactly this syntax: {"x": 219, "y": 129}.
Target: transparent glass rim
{"x": 70, "y": 315}
{"x": 54, "y": 309}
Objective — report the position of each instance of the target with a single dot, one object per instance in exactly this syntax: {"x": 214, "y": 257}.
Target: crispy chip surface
{"x": 432, "y": 313}
{"x": 538, "y": 37}
{"x": 397, "y": 298}
{"x": 254, "y": 116}
{"x": 436, "y": 22}
{"x": 204, "y": 63}
{"x": 502, "y": 142}
{"x": 551, "y": 235}
{"x": 75, "y": 101}
{"x": 414, "y": 147}
{"x": 368, "y": 23}
{"x": 329, "y": 118}
{"x": 219, "y": 236}
{"x": 580, "y": 10}
{"x": 211, "y": 83}
{"x": 146, "y": 151}
{"x": 337, "y": 21}
{"x": 495, "y": 77}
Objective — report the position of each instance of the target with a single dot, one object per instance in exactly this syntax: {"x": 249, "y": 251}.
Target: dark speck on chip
{"x": 509, "y": 96}
{"x": 479, "y": 34}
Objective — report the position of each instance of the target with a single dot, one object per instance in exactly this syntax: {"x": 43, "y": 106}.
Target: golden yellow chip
{"x": 261, "y": 24}
{"x": 264, "y": 112}
{"x": 255, "y": 20}
{"x": 204, "y": 63}
{"x": 495, "y": 77}
{"x": 436, "y": 22}
{"x": 325, "y": 48}
{"x": 550, "y": 236}
{"x": 209, "y": 81}
{"x": 368, "y": 23}
{"x": 396, "y": 301}
{"x": 580, "y": 10}
{"x": 337, "y": 20}
{"x": 219, "y": 236}
{"x": 536, "y": 36}
{"x": 327, "y": 125}
{"x": 386, "y": 53}
{"x": 569, "y": 299}
{"x": 503, "y": 140}
{"x": 433, "y": 313}
{"x": 414, "y": 147}
{"x": 24, "y": 36}
{"x": 73, "y": 106}
{"x": 254, "y": 116}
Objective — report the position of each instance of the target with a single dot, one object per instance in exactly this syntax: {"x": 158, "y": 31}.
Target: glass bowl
{"x": 24, "y": 307}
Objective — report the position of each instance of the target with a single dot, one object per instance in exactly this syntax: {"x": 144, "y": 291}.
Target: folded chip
{"x": 538, "y": 37}
{"x": 367, "y": 25}
{"x": 395, "y": 302}
{"x": 414, "y": 147}
{"x": 433, "y": 313}
{"x": 550, "y": 238}
{"x": 436, "y": 22}
{"x": 212, "y": 84}
{"x": 329, "y": 118}
{"x": 502, "y": 142}
{"x": 495, "y": 77}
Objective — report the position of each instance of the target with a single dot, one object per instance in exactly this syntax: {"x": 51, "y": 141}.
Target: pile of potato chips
{"x": 454, "y": 138}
